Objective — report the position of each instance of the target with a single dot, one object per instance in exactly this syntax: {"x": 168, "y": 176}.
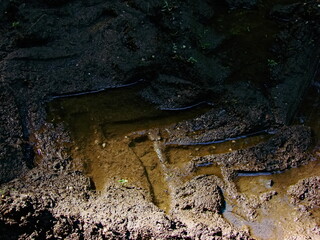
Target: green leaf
{"x": 123, "y": 181}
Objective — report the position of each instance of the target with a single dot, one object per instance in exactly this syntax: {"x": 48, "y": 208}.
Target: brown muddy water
{"x": 116, "y": 134}
{"x": 116, "y": 139}
{"x": 247, "y": 51}
{"x": 111, "y": 131}
{"x": 280, "y": 217}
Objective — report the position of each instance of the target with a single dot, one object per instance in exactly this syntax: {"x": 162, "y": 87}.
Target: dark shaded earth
{"x": 51, "y": 48}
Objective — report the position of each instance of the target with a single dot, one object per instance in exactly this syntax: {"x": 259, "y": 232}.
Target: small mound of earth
{"x": 306, "y": 192}
{"x": 201, "y": 194}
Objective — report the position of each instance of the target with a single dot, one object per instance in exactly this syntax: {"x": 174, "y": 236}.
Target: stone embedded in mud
{"x": 306, "y": 192}
{"x": 201, "y": 194}
{"x": 267, "y": 196}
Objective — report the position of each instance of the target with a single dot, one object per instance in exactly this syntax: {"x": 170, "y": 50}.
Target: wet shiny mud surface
{"x": 280, "y": 216}
{"x": 217, "y": 162}
{"x": 120, "y": 138}
{"x": 111, "y": 132}
{"x": 117, "y": 137}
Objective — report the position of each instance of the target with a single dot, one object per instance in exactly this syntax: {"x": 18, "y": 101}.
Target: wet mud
{"x": 159, "y": 119}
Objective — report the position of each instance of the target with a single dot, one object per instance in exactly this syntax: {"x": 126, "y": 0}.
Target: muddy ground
{"x": 184, "y": 53}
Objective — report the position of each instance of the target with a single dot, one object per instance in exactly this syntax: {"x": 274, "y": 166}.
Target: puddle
{"x": 264, "y": 229}
{"x": 247, "y": 51}
{"x": 111, "y": 142}
{"x": 281, "y": 215}
{"x": 155, "y": 173}
{"x": 114, "y": 113}
{"x": 184, "y": 153}
{"x": 115, "y": 139}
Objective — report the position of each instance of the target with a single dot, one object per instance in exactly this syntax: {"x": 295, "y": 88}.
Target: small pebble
{"x": 269, "y": 183}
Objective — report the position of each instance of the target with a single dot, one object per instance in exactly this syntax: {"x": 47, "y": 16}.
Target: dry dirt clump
{"x": 200, "y": 194}
{"x": 306, "y": 193}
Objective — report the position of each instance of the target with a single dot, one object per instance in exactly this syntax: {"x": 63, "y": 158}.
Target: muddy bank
{"x": 63, "y": 205}
{"x": 306, "y": 192}
{"x": 183, "y": 54}
{"x": 13, "y": 145}
{"x": 287, "y": 148}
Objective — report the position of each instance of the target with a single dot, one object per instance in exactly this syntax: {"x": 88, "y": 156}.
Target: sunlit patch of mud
{"x": 278, "y": 217}
{"x": 111, "y": 139}
{"x": 117, "y": 138}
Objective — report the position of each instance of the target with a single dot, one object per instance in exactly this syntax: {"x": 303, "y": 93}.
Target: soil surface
{"x": 193, "y": 96}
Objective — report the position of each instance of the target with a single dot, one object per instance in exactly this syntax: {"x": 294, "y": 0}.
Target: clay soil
{"x": 202, "y": 96}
